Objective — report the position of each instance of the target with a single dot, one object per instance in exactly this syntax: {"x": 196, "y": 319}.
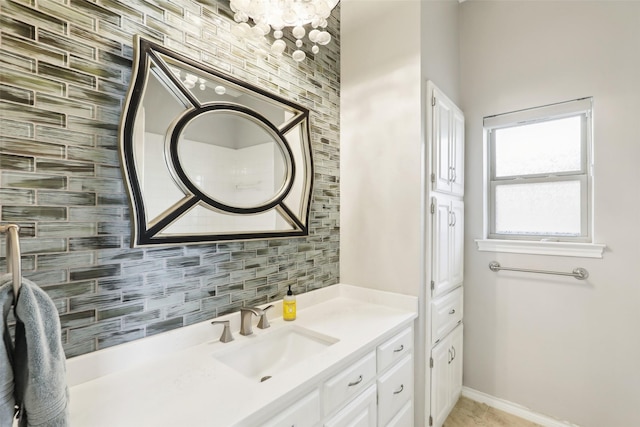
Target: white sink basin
{"x": 262, "y": 356}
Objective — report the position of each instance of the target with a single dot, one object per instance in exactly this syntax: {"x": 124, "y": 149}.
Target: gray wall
{"x": 64, "y": 73}
{"x": 559, "y": 346}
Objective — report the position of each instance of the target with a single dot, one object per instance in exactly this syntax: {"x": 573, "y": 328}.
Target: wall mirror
{"x": 207, "y": 157}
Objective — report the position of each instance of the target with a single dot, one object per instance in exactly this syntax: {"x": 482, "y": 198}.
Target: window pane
{"x": 545, "y": 208}
{"x": 538, "y": 148}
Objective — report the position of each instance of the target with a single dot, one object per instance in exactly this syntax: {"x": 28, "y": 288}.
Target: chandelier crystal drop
{"x": 189, "y": 81}
{"x": 276, "y": 15}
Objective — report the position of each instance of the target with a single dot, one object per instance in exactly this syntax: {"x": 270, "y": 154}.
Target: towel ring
{"x": 13, "y": 256}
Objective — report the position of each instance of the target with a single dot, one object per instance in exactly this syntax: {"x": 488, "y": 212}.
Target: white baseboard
{"x": 514, "y": 409}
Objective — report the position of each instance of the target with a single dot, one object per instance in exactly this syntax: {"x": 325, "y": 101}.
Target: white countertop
{"x": 173, "y": 379}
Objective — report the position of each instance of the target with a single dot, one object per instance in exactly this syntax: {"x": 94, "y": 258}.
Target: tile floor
{"x": 468, "y": 413}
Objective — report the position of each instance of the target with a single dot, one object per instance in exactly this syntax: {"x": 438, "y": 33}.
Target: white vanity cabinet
{"x": 393, "y": 387}
{"x": 447, "y": 133}
{"x": 376, "y": 390}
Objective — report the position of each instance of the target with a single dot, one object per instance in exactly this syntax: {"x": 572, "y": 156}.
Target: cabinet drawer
{"x": 404, "y": 417}
{"x": 395, "y": 389}
{"x": 394, "y": 349}
{"x": 359, "y": 413}
{"x": 349, "y": 382}
{"x": 446, "y": 313}
{"x": 304, "y": 413}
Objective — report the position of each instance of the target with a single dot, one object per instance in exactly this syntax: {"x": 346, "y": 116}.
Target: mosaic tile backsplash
{"x": 65, "y": 67}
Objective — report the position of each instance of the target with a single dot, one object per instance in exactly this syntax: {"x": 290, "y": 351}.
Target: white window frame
{"x": 542, "y": 244}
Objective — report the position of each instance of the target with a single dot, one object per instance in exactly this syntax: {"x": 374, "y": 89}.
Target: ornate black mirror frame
{"x": 150, "y": 229}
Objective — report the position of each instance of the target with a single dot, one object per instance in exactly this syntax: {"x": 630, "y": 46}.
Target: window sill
{"x": 583, "y": 250}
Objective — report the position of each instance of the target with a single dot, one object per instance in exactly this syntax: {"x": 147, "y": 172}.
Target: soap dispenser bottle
{"x": 289, "y": 306}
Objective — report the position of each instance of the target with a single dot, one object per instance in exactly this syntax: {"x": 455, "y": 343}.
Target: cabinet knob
{"x": 399, "y": 349}
{"x": 399, "y": 390}
{"x": 453, "y": 311}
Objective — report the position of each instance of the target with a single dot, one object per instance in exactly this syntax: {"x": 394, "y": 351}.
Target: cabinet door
{"x": 441, "y": 139}
{"x": 446, "y": 375}
{"x": 440, "y": 386}
{"x": 448, "y": 244}
{"x": 456, "y": 262}
{"x": 446, "y": 127}
{"x": 359, "y": 413}
{"x": 456, "y": 364}
{"x": 456, "y": 151}
{"x": 440, "y": 274}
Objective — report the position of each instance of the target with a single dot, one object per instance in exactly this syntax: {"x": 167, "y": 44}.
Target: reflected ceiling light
{"x": 278, "y": 14}
{"x": 189, "y": 80}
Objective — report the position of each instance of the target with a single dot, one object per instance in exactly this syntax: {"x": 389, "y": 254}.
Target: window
{"x": 539, "y": 181}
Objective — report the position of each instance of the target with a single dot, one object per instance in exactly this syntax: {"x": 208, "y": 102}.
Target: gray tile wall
{"x": 65, "y": 67}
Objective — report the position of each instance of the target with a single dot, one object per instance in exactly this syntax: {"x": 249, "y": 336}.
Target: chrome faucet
{"x": 245, "y": 319}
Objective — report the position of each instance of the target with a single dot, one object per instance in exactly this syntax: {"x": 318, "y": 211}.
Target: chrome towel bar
{"x": 579, "y": 273}
{"x": 14, "y": 263}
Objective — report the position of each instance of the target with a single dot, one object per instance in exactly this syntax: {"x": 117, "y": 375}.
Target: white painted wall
{"x": 440, "y": 40}
{"x": 389, "y": 48}
{"x": 380, "y": 145}
{"x": 561, "y": 347}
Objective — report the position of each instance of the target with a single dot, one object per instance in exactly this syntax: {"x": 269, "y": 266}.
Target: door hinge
{"x": 433, "y": 285}
{"x": 433, "y": 101}
{"x": 433, "y": 177}
{"x": 430, "y": 420}
{"x": 433, "y": 208}
{"x": 431, "y": 362}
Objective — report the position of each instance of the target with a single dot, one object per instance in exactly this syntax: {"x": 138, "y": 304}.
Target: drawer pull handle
{"x": 356, "y": 382}
{"x": 399, "y": 349}
{"x": 453, "y": 311}
{"x": 400, "y": 390}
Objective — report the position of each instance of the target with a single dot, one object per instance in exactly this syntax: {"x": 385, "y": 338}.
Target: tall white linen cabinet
{"x": 445, "y": 142}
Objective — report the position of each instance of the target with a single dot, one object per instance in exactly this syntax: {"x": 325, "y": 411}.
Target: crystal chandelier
{"x": 278, "y": 14}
